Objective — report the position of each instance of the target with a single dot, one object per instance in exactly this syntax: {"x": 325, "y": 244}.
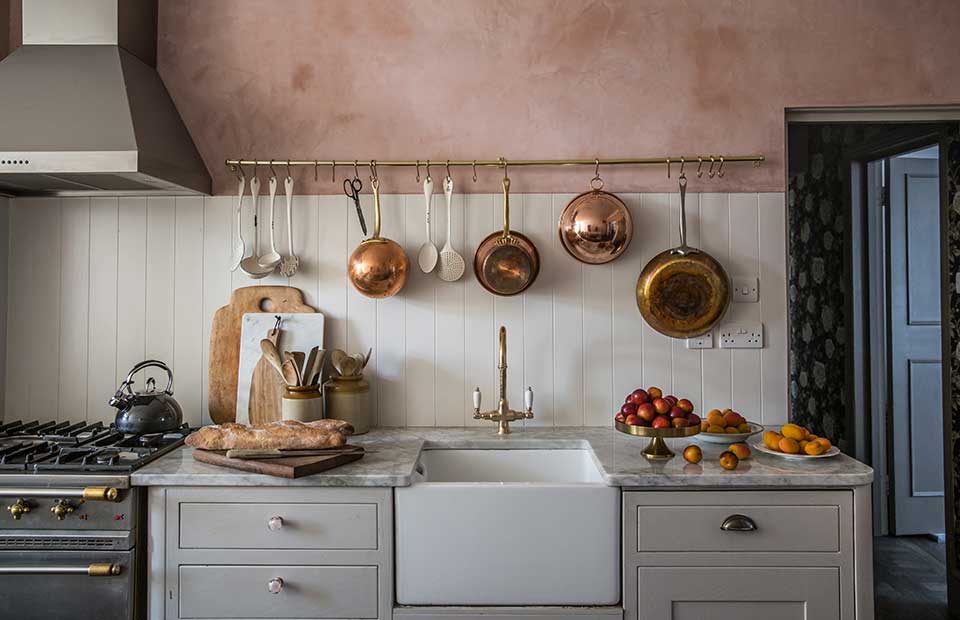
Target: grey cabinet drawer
{"x": 300, "y": 526}
{"x": 779, "y": 528}
{"x": 240, "y": 592}
{"x": 732, "y": 593}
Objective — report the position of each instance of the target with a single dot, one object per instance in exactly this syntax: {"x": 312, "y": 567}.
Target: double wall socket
{"x": 747, "y": 336}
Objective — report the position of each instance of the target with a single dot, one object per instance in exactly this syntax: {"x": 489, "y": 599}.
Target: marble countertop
{"x": 392, "y": 454}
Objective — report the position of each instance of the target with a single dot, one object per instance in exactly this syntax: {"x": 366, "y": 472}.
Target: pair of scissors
{"x": 352, "y": 187}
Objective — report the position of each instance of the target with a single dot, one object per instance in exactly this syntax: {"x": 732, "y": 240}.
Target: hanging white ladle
{"x": 251, "y": 264}
{"x": 239, "y": 247}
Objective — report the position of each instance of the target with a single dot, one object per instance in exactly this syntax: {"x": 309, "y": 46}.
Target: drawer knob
{"x": 738, "y": 523}
{"x": 275, "y": 585}
{"x": 275, "y": 523}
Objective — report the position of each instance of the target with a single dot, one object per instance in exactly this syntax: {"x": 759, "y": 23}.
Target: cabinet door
{"x": 732, "y": 593}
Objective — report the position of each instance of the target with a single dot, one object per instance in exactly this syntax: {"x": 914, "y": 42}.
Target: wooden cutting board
{"x": 225, "y": 341}
{"x": 284, "y": 467}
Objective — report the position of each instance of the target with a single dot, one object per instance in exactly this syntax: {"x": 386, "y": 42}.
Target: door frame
{"x": 868, "y": 384}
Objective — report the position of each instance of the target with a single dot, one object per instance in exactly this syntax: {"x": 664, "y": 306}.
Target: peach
{"x": 662, "y": 405}
{"x": 693, "y": 454}
{"x": 632, "y": 420}
{"x": 680, "y": 422}
{"x": 677, "y": 412}
{"x": 715, "y": 418}
{"x": 654, "y": 392}
{"x": 771, "y": 439}
{"x": 733, "y": 419}
{"x": 685, "y": 404}
{"x": 661, "y": 421}
{"x": 814, "y": 448}
{"x": 729, "y": 460}
{"x": 742, "y": 450}
{"x": 646, "y": 412}
{"x": 824, "y": 442}
{"x": 793, "y": 431}
{"x": 694, "y": 419}
{"x": 789, "y": 445}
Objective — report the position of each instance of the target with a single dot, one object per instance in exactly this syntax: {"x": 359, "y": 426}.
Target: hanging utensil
{"x": 272, "y": 258}
{"x": 251, "y": 264}
{"x": 290, "y": 263}
{"x": 240, "y": 246}
{"x": 352, "y": 187}
{"x": 451, "y": 263}
{"x": 595, "y": 227}
{"x": 506, "y": 262}
{"x": 378, "y": 267}
{"x": 427, "y": 258}
{"x": 272, "y": 354}
{"x": 683, "y": 292}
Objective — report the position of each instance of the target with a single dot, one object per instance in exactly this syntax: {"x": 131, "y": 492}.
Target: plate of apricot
{"x": 727, "y": 426}
{"x": 796, "y": 442}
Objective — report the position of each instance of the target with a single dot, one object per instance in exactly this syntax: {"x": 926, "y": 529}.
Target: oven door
{"x": 41, "y": 584}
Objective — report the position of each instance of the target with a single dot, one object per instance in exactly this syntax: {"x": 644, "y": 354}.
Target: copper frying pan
{"x": 378, "y": 268}
{"x": 506, "y": 262}
{"x": 683, "y": 292}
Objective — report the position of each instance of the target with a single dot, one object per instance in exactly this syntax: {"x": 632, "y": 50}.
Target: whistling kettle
{"x": 149, "y": 411}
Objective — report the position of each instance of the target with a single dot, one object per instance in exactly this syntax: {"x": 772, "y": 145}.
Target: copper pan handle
{"x": 375, "y": 184}
{"x": 684, "y": 248}
{"x": 506, "y": 207}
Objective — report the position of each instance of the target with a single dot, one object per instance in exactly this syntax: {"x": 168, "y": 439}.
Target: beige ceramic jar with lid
{"x": 347, "y": 398}
{"x": 302, "y": 403}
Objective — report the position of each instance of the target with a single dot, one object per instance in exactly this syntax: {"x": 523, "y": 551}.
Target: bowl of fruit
{"x": 648, "y": 413}
{"x": 796, "y": 442}
{"x": 727, "y": 426}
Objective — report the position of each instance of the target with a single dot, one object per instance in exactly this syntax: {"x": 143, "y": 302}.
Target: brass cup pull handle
{"x": 738, "y": 523}
{"x": 275, "y": 523}
{"x": 275, "y": 585}
{"x": 100, "y": 494}
{"x": 103, "y": 570}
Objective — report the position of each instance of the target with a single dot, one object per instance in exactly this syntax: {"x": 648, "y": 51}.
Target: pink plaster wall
{"x": 540, "y": 78}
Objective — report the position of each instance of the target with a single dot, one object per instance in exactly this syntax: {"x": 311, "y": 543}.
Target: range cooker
{"x": 72, "y": 530}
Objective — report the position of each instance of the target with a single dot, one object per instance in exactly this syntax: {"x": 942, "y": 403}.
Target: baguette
{"x": 282, "y": 435}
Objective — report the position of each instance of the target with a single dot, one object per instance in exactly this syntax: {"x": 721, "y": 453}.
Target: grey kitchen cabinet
{"x": 270, "y": 552}
{"x": 782, "y": 554}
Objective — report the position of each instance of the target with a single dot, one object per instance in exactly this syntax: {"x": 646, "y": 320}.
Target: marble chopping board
{"x": 298, "y": 332}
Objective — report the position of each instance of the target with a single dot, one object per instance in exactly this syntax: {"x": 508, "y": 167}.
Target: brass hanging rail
{"x": 698, "y": 160}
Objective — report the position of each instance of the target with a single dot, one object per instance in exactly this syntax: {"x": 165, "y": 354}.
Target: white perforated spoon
{"x": 272, "y": 258}
{"x": 451, "y": 263}
{"x": 427, "y": 258}
{"x": 290, "y": 263}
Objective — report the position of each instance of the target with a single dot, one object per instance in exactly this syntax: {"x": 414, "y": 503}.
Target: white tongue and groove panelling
{"x": 98, "y": 284}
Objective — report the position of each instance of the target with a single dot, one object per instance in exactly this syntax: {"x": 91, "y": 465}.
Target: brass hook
{"x": 699, "y": 167}
{"x": 316, "y": 166}
{"x": 710, "y": 172}
{"x": 356, "y": 171}
{"x": 429, "y": 178}
{"x": 668, "y": 167}
{"x": 503, "y": 162}
{"x": 474, "y": 170}
{"x": 272, "y": 171}
{"x": 683, "y": 162}
{"x": 720, "y": 171}
{"x": 596, "y": 183}
{"x": 333, "y": 171}
{"x": 239, "y": 170}
{"x": 418, "y": 171}
{"x": 448, "y": 169}
{"x": 373, "y": 171}
{"x": 254, "y": 168}
{"x": 289, "y": 174}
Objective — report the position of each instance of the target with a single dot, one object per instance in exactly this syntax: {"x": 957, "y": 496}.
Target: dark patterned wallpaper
{"x": 953, "y": 223}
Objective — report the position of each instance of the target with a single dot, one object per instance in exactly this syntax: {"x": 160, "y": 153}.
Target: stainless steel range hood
{"x": 83, "y": 111}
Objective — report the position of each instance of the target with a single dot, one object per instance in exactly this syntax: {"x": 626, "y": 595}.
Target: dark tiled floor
{"x": 910, "y": 578}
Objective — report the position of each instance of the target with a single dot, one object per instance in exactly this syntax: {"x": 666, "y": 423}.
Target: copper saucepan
{"x": 595, "y": 227}
{"x": 506, "y": 262}
{"x": 378, "y": 268}
{"x": 683, "y": 292}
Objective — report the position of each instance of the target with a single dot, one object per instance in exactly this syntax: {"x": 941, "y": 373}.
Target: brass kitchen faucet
{"x": 503, "y": 415}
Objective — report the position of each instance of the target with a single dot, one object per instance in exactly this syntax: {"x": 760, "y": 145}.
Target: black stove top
{"x": 64, "y": 447}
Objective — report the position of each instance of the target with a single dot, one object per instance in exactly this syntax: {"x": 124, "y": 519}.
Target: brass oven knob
{"x": 62, "y": 508}
{"x": 18, "y": 508}
{"x": 275, "y": 585}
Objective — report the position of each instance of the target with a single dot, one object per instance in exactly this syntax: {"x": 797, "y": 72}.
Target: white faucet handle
{"x": 528, "y": 398}
{"x": 476, "y": 398}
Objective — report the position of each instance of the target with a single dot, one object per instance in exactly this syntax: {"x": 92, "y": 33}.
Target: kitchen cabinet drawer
{"x": 778, "y": 528}
{"x": 278, "y": 526}
{"x": 733, "y": 593}
{"x": 240, "y": 592}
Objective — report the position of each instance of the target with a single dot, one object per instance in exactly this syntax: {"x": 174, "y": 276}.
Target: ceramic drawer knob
{"x": 275, "y": 523}
{"x": 275, "y": 585}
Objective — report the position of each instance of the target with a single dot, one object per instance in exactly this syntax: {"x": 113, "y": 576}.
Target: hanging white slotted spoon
{"x": 428, "y": 252}
{"x": 251, "y": 264}
{"x": 451, "y": 263}
{"x": 290, "y": 263}
{"x": 272, "y": 258}
{"x": 239, "y": 247}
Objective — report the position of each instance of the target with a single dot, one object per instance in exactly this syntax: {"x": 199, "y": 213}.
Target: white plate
{"x": 833, "y": 451}
{"x": 731, "y": 437}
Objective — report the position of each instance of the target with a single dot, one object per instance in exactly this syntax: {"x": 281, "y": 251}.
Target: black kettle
{"x": 149, "y": 411}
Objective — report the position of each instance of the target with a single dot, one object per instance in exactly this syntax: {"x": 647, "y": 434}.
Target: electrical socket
{"x": 746, "y": 289}
{"x": 749, "y": 336}
{"x": 703, "y": 341}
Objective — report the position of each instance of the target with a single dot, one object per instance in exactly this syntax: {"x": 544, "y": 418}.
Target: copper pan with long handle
{"x": 506, "y": 262}
{"x": 683, "y": 292}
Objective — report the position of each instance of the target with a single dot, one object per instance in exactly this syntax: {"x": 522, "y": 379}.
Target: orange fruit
{"x": 789, "y": 445}
{"x": 692, "y": 454}
{"x": 729, "y": 460}
{"x": 742, "y": 450}
{"x": 715, "y": 429}
{"x": 823, "y": 441}
{"x": 715, "y": 419}
{"x": 793, "y": 431}
{"x": 814, "y": 448}
{"x": 771, "y": 439}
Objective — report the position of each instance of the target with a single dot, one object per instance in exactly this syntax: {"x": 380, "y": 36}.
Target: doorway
{"x": 867, "y": 213}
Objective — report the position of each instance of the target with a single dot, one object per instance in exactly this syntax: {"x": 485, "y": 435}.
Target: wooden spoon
{"x": 272, "y": 354}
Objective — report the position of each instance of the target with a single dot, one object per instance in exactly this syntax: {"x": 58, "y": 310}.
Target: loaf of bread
{"x": 282, "y": 435}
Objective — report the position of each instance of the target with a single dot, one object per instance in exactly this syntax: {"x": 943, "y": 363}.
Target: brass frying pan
{"x": 378, "y": 268}
{"x": 506, "y": 262}
{"x": 683, "y": 292}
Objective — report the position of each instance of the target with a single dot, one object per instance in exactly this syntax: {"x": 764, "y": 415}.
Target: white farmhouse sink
{"x": 507, "y": 527}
